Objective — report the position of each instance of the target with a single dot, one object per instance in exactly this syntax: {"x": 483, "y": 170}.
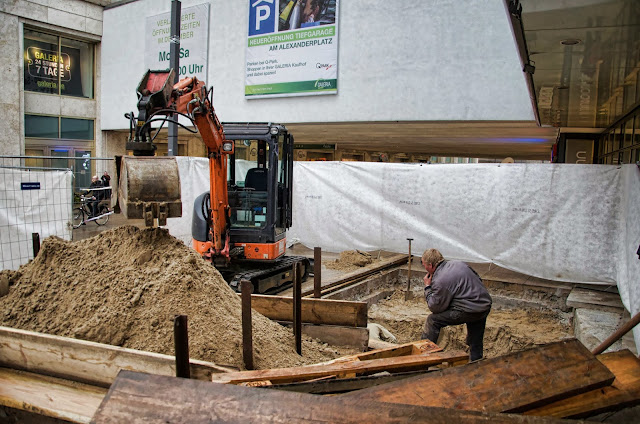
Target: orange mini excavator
{"x": 240, "y": 224}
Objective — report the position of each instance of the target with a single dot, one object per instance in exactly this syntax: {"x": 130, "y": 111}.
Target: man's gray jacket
{"x": 455, "y": 285}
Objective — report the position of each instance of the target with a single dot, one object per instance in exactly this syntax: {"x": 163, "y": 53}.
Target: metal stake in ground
{"x": 181, "y": 342}
{"x": 247, "y": 338}
{"x": 407, "y": 295}
{"x": 35, "y": 237}
{"x": 297, "y": 306}
{"x": 317, "y": 269}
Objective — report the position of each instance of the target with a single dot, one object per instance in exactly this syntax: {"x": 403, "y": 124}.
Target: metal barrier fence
{"x": 82, "y": 166}
{"x": 37, "y": 195}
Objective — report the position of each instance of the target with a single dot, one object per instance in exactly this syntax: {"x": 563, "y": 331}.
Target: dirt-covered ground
{"x": 125, "y": 286}
{"x": 508, "y": 329}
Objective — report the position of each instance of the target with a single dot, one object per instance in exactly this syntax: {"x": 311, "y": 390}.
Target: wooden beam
{"x": 341, "y": 369}
{"x": 512, "y": 383}
{"x": 83, "y": 361}
{"x": 624, "y": 392}
{"x": 314, "y": 311}
{"x": 343, "y": 385}
{"x": 357, "y": 275}
{"x": 421, "y": 347}
{"x": 49, "y": 396}
{"x": 354, "y": 337}
{"x": 142, "y": 398}
{"x": 594, "y": 299}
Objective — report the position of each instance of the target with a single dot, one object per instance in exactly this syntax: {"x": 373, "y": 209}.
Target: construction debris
{"x": 142, "y": 398}
{"x": 516, "y": 382}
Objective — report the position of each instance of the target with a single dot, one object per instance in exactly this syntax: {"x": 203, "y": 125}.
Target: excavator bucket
{"x": 149, "y": 189}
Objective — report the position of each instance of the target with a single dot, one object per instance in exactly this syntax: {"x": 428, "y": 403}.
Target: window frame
{"x": 92, "y": 43}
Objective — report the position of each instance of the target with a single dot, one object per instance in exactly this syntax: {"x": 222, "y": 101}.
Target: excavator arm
{"x": 159, "y": 101}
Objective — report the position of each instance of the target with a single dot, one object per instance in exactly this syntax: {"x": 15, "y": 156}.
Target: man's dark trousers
{"x": 475, "y": 321}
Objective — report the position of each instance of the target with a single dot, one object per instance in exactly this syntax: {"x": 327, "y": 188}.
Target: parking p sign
{"x": 262, "y": 17}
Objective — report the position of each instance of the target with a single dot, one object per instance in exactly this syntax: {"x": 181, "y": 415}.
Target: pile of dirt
{"x": 125, "y": 286}
{"x": 351, "y": 260}
{"x": 508, "y": 329}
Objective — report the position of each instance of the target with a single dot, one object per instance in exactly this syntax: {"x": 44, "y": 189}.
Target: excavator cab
{"x": 260, "y": 192}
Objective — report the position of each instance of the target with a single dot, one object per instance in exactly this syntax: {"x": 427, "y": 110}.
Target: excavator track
{"x": 275, "y": 277}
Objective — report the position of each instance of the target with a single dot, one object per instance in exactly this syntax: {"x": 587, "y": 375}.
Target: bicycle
{"x": 82, "y": 214}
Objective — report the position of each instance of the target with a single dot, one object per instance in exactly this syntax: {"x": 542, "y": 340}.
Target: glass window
{"x": 39, "y": 162}
{"x": 628, "y": 132}
{"x": 636, "y": 131}
{"x": 56, "y": 65}
{"x": 77, "y": 79}
{"x": 40, "y": 62}
{"x": 76, "y": 129}
{"x": 40, "y": 126}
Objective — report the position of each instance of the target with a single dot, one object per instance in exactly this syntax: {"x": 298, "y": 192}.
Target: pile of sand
{"x": 125, "y": 286}
{"x": 351, "y": 260}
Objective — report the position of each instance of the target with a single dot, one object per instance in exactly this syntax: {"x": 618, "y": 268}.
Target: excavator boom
{"x": 150, "y": 188}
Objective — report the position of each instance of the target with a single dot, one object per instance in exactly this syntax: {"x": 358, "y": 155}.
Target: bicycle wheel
{"x": 103, "y": 219}
{"x": 78, "y": 217}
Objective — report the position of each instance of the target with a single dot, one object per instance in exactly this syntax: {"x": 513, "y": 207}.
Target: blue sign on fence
{"x": 30, "y": 186}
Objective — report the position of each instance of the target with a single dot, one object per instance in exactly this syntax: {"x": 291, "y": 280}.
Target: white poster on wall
{"x": 292, "y": 48}
{"x": 194, "y": 41}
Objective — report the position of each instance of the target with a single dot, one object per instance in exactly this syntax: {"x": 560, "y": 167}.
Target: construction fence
{"x": 37, "y": 196}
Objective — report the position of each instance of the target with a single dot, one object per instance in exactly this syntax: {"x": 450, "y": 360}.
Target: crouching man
{"x": 455, "y": 295}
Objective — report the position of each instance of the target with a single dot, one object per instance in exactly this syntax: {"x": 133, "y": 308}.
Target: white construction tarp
{"x": 562, "y": 222}
{"x": 32, "y": 202}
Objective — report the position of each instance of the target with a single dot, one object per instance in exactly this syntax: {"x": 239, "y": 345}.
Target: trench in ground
{"x": 521, "y": 316}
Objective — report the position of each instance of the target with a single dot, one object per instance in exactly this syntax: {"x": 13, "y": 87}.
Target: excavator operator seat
{"x": 256, "y": 179}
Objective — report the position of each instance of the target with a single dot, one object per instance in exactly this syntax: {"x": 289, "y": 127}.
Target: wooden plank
{"x": 420, "y": 347}
{"x": 355, "y": 337}
{"x": 88, "y": 362}
{"x": 343, "y": 385}
{"x": 594, "y": 299}
{"x": 142, "y": 398}
{"x": 49, "y": 396}
{"x": 341, "y": 369}
{"x": 359, "y": 274}
{"x": 512, "y": 383}
{"x": 624, "y": 392}
{"x": 314, "y": 311}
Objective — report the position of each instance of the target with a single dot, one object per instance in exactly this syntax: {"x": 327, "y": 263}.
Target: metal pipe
{"x": 407, "y": 295}
{"x": 297, "y": 306}
{"x": 617, "y": 335}
{"x": 317, "y": 272}
{"x": 247, "y": 337}
{"x": 181, "y": 343}
{"x": 35, "y": 237}
{"x": 174, "y": 63}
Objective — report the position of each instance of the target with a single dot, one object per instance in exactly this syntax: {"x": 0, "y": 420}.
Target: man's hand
{"x": 427, "y": 280}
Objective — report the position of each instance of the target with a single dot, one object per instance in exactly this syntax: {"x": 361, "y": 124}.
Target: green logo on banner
{"x": 292, "y": 87}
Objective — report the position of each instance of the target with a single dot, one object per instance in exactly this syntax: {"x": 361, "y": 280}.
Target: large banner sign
{"x": 194, "y": 41}
{"x": 292, "y": 48}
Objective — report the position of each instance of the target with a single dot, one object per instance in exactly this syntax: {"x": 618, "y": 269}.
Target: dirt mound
{"x": 508, "y": 329}
{"x": 350, "y": 260}
{"x": 125, "y": 286}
